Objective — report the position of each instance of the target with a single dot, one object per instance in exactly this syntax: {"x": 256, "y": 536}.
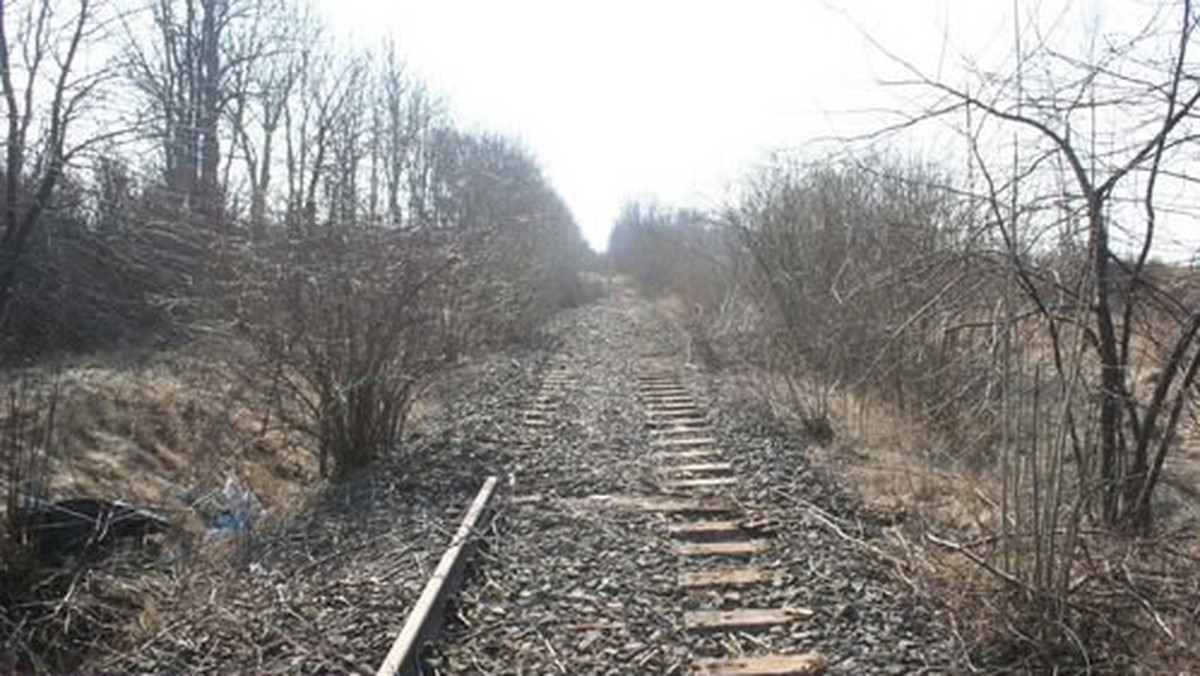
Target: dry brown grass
{"x": 164, "y": 430}
{"x": 1134, "y": 598}
{"x": 896, "y": 467}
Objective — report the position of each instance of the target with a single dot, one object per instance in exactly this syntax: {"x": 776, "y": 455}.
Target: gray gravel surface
{"x": 866, "y": 620}
{"x": 571, "y": 585}
{"x": 326, "y": 591}
{"x": 565, "y": 581}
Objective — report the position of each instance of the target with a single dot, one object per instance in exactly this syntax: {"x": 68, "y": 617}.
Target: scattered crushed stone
{"x": 565, "y": 582}
{"x": 327, "y": 591}
{"x": 866, "y": 620}
{"x": 572, "y": 586}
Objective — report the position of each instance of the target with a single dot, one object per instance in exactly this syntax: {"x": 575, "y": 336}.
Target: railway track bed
{"x": 651, "y": 536}
{"x": 661, "y": 526}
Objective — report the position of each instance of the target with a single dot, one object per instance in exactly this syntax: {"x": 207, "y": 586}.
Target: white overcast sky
{"x": 673, "y": 99}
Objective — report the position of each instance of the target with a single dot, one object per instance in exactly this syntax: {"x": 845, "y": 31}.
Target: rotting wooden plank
{"x": 656, "y": 409}
{"x": 705, "y": 528}
{"x": 664, "y": 505}
{"x": 688, "y": 455}
{"x": 679, "y": 428}
{"x": 672, "y": 417}
{"x": 678, "y": 403}
{"x": 649, "y": 398}
{"x": 697, "y": 468}
{"x": 425, "y": 618}
{"x": 677, "y": 411}
{"x": 699, "y": 484}
{"x": 744, "y": 619}
{"x": 765, "y": 665}
{"x": 670, "y": 401}
{"x": 724, "y": 577}
{"x": 686, "y": 441}
{"x": 726, "y": 548}
{"x": 689, "y": 424}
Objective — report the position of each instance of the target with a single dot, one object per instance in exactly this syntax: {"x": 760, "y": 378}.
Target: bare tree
{"x": 188, "y": 71}
{"x": 261, "y": 89}
{"x": 45, "y": 94}
{"x": 1060, "y": 105}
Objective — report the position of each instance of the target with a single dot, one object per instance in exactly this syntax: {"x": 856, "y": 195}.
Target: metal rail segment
{"x": 425, "y": 619}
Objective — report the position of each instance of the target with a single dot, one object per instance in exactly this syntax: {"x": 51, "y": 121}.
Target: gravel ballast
{"x": 571, "y": 578}
{"x": 573, "y": 584}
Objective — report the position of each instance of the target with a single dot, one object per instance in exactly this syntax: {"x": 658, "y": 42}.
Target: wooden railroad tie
{"x": 691, "y": 425}
{"x": 697, "y": 468}
{"x": 679, "y": 429}
{"x": 667, "y": 505}
{"x": 672, "y": 397}
{"x": 725, "y": 548}
{"x": 689, "y": 455}
{"x": 724, "y": 577}
{"x": 745, "y": 619}
{"x": 676, "y": 416}
{"x": 699, "y": 529}
{"x": 766, "y": 665}
{"x": 672, "y": 407}
{"x": 686, "y": 441}
{"x": 707, "y": 483}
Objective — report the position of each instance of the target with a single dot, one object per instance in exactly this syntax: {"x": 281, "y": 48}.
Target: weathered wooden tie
{"x": 678, "y": 429}
{"x": 667, "y": 505}
{"x": 744, "y": 619}
{"x": 697, "y": 468}
{"x": 670, "y": 399}
{"x": 724, "y": 577}
{"x": 723, "y": 548}
{"x": 677, "y": 416}
{"x": 685, "y": 441}
{"x": 666, "y": 388}
{"x": 689, "y": 405}
{"x": 707, "y": 483}
{"x": 765, "y": 665}
{"x": 689, "y": 455}
{"x": 677, "y": 426}
{"x": 705, "y": 528}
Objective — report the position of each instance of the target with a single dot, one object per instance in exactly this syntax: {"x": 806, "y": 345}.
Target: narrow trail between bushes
{"x": 657, "y": 521}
